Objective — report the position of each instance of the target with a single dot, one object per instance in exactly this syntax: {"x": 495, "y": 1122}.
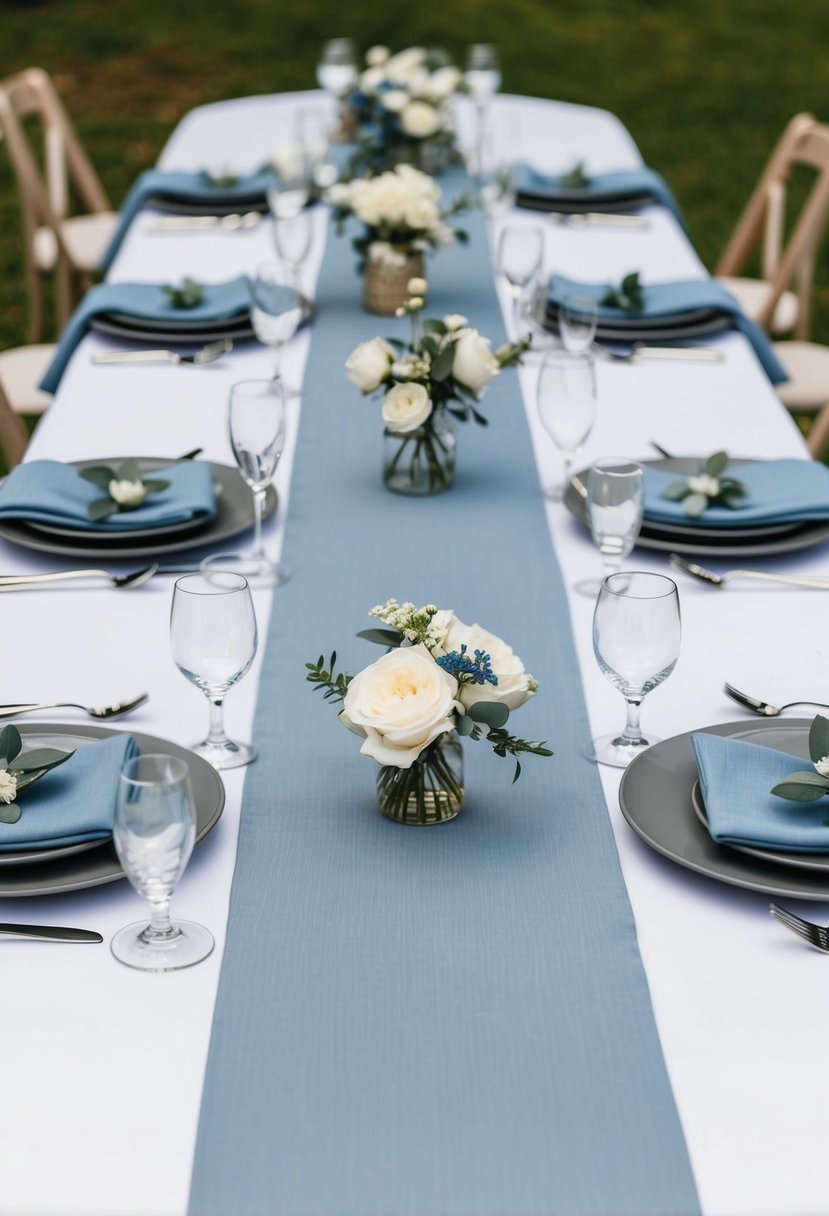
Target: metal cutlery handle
{"x": 172, "y": 223}
{"x": 51, "y": 933}
{"x": 14, "y": 580}
{"x": 137, "y": 356}
{"x": 804, "y": 580}
{"x": 11, "y": 711}
{"x": 699, "y": 354}
{"x": 617, "y": 221}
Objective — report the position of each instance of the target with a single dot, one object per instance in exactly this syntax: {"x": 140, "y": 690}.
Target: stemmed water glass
{"x": 213, "y": 639}
{"x": 337, "y": 67}
{"x": 520, "y": 254}
{"x": 577, "y": 319}
{"x": 292, "y": 237}
{"x": 313, "y": 129}
{"x": 257, "y": 424}
{"x": 483, "y": 79}
{"x": 153, "y": 832}
{"x": 276, "y": 313}
{"x": 566, "y": 395}
{"x": 636, "y": 633}
{"x": 615, "y": 501}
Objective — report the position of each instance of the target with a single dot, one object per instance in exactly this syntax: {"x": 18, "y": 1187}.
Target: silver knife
{"x": 50, "y": 933}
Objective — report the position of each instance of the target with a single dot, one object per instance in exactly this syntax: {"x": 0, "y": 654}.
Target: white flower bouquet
{"x": 439, "y": 680}
{"x": 444, "y": 370}
{"x": 401, "y": 108}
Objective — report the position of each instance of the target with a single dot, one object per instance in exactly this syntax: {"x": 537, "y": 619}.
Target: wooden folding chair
{"x": 55, "y": 242}
{"x": 21, "y": 370}
{"x": 786, "y": 264}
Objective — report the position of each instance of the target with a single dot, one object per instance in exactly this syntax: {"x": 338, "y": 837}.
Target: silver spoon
{"x": 103, "y": 712}
{"x": 31, "y": 582}
{"x": 762, "y": 708}
{"x": 721, "y": 580}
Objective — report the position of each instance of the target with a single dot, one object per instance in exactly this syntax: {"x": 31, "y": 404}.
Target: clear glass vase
{"x": 431, "y": 791}
{"x": 420, "y": 462}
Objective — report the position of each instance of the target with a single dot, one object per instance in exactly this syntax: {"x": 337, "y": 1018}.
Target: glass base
{"x": 259, "y": 571}
{"x": 187, "y": 944}
{"x": 588, "y": 586}
{"x": 616, "y": 751}
{"x": 229, "y": 754}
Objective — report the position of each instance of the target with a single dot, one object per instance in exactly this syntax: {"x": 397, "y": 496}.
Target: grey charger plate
{"x": 656, "y": 800}
{"x": 753, "y": 541}
{"x": 184, "y": 205}
{"x": 234, "y": 514}
{"x": 136, "y": 331}
{"x": 99, "y": 864}
{"x": 575, "y": 203}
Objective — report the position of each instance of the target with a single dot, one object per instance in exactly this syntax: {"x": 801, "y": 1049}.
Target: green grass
{"x": 705, "y": 88}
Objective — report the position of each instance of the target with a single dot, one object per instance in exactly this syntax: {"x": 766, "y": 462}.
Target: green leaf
{"x": 442, "y": 364}
{"x": 492, "y": 713}
{"x": 716, "y": 464}
{"x": 9, "y": 813}
{"x": 433, "y": 326}
{"x": 675, "y": 491}
{"x": 39, "y": 757}
{"x": 129, "y": 471}
{"x": 819, "y": 738}
{"x": 694, "y": 504}
{"x": 155, "y": 487}
{"x": 99, "y": 474}
{"x": 10, "y": 745}
{"x": 464, "y": 724}
{"x": 101, "y": 508}
{"x": 382, "y": 637}
{"x": 802, "y": 787}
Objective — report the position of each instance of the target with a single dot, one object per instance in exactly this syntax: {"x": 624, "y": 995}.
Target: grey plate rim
{"x": 669, "y": 323}
{"x": 214, "y": 532}
{"x": 575, "y": 205}
{"x": 137, "y": 333}
{"x": 800, "y": 861}
{"x": 180, "y": 204}
{"x": 100, "y": 865}
{"x": 662, "y": 815}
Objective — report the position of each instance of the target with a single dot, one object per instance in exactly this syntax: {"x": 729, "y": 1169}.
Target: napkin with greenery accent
{"x": 617, "y": 190}
{"x": 776, "y": 492}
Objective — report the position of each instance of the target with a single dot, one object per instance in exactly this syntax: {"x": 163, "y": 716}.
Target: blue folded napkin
{"x": 779, "y": 492}
{"x": 48, "y": 492}
{"x": 736, "y": 777}
{"x": 604, "y": 189}
{"x": 145, "y": 302}
{"x": 73, "y": 803}
{"x": 190, "y": 187}
{"x": 673, "y": 301}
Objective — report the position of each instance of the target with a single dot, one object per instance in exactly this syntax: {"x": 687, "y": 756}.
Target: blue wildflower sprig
{"x": 466, "y": 670}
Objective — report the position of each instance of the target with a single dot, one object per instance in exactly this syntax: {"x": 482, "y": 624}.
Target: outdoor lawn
{"x": 705, "y": 88}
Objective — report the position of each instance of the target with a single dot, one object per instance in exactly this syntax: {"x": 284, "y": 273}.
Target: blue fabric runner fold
{"x": 441, "y": 1021}
{"x": 246, "y": 192}
{"x": 618, "y": 190}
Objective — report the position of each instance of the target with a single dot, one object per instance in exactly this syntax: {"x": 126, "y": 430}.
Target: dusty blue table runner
{"x": 441, "y": 1021}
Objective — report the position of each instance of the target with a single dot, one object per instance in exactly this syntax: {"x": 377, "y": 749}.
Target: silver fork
{"x": 102, "y": 712}
{"x": 720, "y": 580}
{"x": 762, "y": 707}
{"x": 208, "y": 354}
{"x": 30, "y": 582}
{"x": 815, "y": 935}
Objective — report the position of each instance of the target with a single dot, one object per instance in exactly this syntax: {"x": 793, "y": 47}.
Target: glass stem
{"x": 258, "y": 506}
{"x": 277, "y": 362}
{"x": 216, "y": 730}
{"x": 633, "y": 731}
{"x": 160, "y": 924}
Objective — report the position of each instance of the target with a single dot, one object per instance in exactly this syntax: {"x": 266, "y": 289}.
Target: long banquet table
{"x": 103, "y": 1066}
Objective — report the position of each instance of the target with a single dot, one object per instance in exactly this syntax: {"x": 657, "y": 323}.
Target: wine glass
{"x": 257, "y": 422}
{"x": 313, "y": 128}
{"x": 483, "y": 79}
{"x": 615, "y": 501}
{"x": 277, "y": 311}
{"x": 494, "y": 171}
{"x": 636, "y": 632}
{"x": 153, "y": 832}
{"x": 520, "y": 254}
{"x": 566, "y": 396}
{"x": 337, "y": 67}
{"x": 577, "y": 319}
{"x": 213, "y": 640}
{"x": 292, "y": 237}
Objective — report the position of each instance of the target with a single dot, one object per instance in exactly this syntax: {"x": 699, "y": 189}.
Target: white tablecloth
{"x": 102, "y": 1066}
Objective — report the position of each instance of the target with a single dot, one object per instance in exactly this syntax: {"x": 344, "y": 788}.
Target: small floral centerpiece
{"x": 707, "y": 488}
{"x": 441, "y": 374}
{"x": 400, "y": 110}
{"x": 439, "y": 680}
{"x": 19, "y": 770}
{"x": 403, "y": 219}
{"x": 810, "y": 784}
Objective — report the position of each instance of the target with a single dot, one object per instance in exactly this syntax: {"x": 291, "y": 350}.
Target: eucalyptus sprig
{"x": 125, "y": 488}
{"x": 220, "y": 177}
{"x": 19, "y": 770}
{"x": 628, "y": 295}
{"x": 813, "y": 783}
{"x": 577, "y": 178}
{"x": 708, "y": 488}
{"x": 186, "y": 294}
{"x": 336, "y": 686}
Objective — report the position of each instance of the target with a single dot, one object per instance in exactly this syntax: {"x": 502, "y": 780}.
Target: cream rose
{"x": 369, "y": 364}
{"x": 401, "y": 704}
{"x": 127, "y": 493}
{"x": 395, "y": 100}
{"x": 444, "y": 82}
{"x": 455, "y": 320}
{"x": 420, "y": 120}
{"x": 376, "y": 56}
{"x": 371, "y": 79}
{"x": 406, "y": 407}
{"x": 474, "y": 364}
{"x": 8, "y": 785}
{"x": 515, "y": 685}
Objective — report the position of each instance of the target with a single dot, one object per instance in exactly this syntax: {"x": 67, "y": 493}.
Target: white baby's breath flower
{"x": 704, "y": 483}
{"x": 412, "y": 367}
{"x": 127, "y": 493}
{"x": 8, "y": 786}
{"x": 822, "y": 766}
{"x": 406, "y": 407}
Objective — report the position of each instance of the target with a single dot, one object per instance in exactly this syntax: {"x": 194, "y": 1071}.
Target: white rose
{"x": 405, "y": 63}
{"x": 376, "y": 56}
{"x": 705, "y": 484}
{"x": 339, "y": 195}
{"x": 395, "y": 100}
{"x": 474, "y": 364}
{"x": 371, "y": 79}
{"x": 822, "y": 766}
{"x": 383, "y": 252}
{"x": 127, "y": 493}
{"x": 444, "y": 82}
{"x": 401, "y": 704}
{"x": 8, "y": 785}
{"x": 380, "y": 200}
{"x": 420, "y": 120}
{"x": 406, "y": 407}
{"x": 369, "y": 365}
{"x": 421, "y": 213}
{"x": 454, "y": 320}
{"x": 514, "y": 686}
